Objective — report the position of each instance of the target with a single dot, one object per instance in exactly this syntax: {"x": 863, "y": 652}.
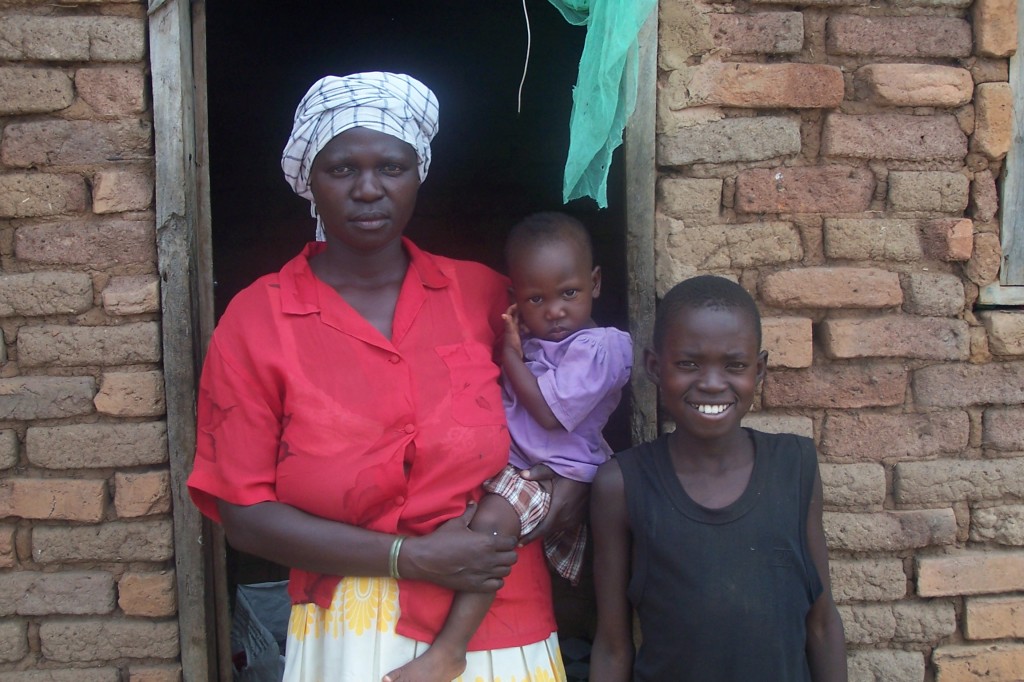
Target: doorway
{"x": 491, "y": 163}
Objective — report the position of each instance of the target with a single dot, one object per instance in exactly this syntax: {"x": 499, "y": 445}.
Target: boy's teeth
{"x": 711, "y": 409}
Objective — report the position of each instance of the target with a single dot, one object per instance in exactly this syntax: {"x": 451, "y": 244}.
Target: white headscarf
{"x": 390, "y": 103}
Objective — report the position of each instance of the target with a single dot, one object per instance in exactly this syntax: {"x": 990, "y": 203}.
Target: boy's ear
{"x": 652, "y": 366}
{"x": 595, "y": 277}
{"x": 762, "y": 365}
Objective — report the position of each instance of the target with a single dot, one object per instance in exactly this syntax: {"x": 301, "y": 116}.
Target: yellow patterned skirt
{"x": 355, "y": 641}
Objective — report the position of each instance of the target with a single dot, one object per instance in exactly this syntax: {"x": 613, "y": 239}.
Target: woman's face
{"x": 364, "y": 183}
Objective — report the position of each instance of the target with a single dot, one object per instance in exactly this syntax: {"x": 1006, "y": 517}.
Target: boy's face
{"x": 554, "y": 289}
{"x": 708, "y": 369}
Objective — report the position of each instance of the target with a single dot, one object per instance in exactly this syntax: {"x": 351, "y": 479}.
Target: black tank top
{"x": 722, "y": 594}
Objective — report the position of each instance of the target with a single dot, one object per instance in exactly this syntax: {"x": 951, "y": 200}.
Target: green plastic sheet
{"x": 605, "y": 92}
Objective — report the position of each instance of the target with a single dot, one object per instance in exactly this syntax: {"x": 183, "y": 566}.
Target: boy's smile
{"x": 707, "y": 370}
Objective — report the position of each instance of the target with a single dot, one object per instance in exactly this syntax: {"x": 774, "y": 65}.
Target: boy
{"x": 713, "y": 533}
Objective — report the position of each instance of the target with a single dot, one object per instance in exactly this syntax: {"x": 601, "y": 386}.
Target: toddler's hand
{"x": 513, "y": 340}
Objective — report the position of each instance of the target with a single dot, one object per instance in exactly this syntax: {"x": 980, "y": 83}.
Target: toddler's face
{"x": 708, "y": 369}
{"x": 554, "y": 289}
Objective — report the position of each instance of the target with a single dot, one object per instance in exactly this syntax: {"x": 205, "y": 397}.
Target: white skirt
{"x": 355, "y": 641}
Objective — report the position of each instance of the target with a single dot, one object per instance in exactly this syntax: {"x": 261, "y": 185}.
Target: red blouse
{"x": 302, "y": 401}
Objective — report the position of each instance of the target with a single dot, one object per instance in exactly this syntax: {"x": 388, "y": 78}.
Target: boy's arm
{"x": 611, "y": 659}
{"x": 524, "y": 384}
{"x": 826, "y": 643}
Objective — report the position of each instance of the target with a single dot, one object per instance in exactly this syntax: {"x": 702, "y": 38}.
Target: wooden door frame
{"x": 177, "y": 44}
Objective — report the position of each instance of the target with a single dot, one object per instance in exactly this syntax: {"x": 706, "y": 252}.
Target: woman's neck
{"x": 343, "y": 268}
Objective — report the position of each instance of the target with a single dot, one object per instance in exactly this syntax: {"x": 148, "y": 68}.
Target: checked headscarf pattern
{"x": 390, "y": 103}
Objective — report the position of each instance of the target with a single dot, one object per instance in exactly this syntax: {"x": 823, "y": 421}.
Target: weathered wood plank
{"x": 171, "y": 65}
{"x": 641, "y": 175}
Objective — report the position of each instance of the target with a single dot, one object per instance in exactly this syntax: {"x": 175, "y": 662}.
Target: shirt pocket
{"x": 475, "y": 392}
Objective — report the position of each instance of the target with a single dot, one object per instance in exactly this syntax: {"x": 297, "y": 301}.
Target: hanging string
{"x": 526, "y": 62}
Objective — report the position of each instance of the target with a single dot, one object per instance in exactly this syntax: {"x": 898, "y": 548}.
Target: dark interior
{"x": 491, "y": 163}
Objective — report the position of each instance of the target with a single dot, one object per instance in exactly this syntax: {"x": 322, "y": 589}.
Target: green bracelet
{"x": 396, "y": 547}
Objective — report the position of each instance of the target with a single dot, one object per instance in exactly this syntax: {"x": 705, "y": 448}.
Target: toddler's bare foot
{"x": 435, "y": 665}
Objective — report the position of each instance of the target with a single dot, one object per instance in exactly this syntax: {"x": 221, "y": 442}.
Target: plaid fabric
{"x": 390, "y": 103}
{"x": 531, "y": 501}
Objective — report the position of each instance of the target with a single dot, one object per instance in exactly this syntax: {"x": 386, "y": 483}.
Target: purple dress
{"x": 581, "y": 378}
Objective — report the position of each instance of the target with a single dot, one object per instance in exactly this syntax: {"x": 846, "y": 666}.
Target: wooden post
{"x": 641, "y": 174}
{"x": 170, "y": 39}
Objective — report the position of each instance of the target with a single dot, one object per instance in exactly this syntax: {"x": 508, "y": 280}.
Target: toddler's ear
{"x": 652, "y": 366}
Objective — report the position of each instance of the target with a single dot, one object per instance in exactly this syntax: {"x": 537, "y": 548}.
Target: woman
{"x": 349, "y": 410}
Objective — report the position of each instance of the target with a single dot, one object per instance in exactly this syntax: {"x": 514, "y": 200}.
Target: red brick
{"x": 120, "y": 541}
{"x": 993, "y": 120}
{"x": 105, "y": 640}
{"x": 914, "y": 85}
{"x": 948, "y": 239}
{"x": 878, "y": 579}
{"x": 693, "y": 245}
{"x": 155, "y": 673}
{"x": 732, "y": 139}
{"x": 908, "y": 36}
{"x": 818, "y": 189}
{"x": 13, "y": 640}
{"x": 45, "y": 293}
{"x": 100, "y": 244}
{"x": 1005, "y": 329}
{"x": 31, "y": 593}
{"x": 76, "y": 346}
{"x": 111, "y": 674}
{"x": 25, "y": 90}
{"x": 883, "y": 665}
{"x": 925, "y": 622}
{"x": 994, "y": 618}
{"x": 859, "y": 485}
{"x": 30, "y": 195}
{"x": 117, "y": 191}
{"x": 889, "y": 531}
{"x": 928, "y": 191}
{"x": 832, "y": 288}
{"x": 986, "y": 257}
{"x": 908, "y": 336}
{"x": 53, "y": 499}
{"x": 73, "y": 38}
{"x": 867, "y": 623}
{"x": 849, "y": 386}
{"x": 938, "y": 294}
{"x": 1002, "y": 525}
{"x": 8, "y": 448}
{"x": 32, "y": 397}
{"x": 766, "y": 86}
{"x": 112, "y": 90}
{"x": 984, "y": 197}
{"x": 942, "y": 481}
{"x": 881, "y": 240}
{"x": 995, "y": 27}
{"x": 959, "y": 385}
{"x": 8, "y": 554}
{"x": 142, "y": 494}
{"x": 132, "y": 295}
{"x": 788, "y": 341}
{"x": 110, "y": 445}
{"x": 58, "y": 143}
{"x": 131, "y": 394}
{"x": 877, "y": 437}
{"x": 682, "y": 198}
{"x": 150, "y": 595}
{"x": 970, "y": 573}
{"x": 760, "y": 33}
{"x": 893, "y": 136}
{"x": 1003, "y": 428}
{"x": 992, "y": 663}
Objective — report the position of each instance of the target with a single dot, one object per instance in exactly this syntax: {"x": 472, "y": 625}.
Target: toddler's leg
{"x": 446, "y": 658}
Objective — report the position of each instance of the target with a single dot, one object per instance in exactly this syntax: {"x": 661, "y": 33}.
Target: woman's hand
{"x": 568, "y": 502}
{"x": 458, "y": 558}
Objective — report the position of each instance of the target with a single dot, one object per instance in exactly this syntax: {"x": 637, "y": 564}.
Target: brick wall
{"x": 87, "y": 584}
{"x": 840, "y": 159}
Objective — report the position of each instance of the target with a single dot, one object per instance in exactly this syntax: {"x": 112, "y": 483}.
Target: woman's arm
{"x": 826, "y": 643}
{"x": 452, "y": 556}
{"x": 611, "y": 659}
